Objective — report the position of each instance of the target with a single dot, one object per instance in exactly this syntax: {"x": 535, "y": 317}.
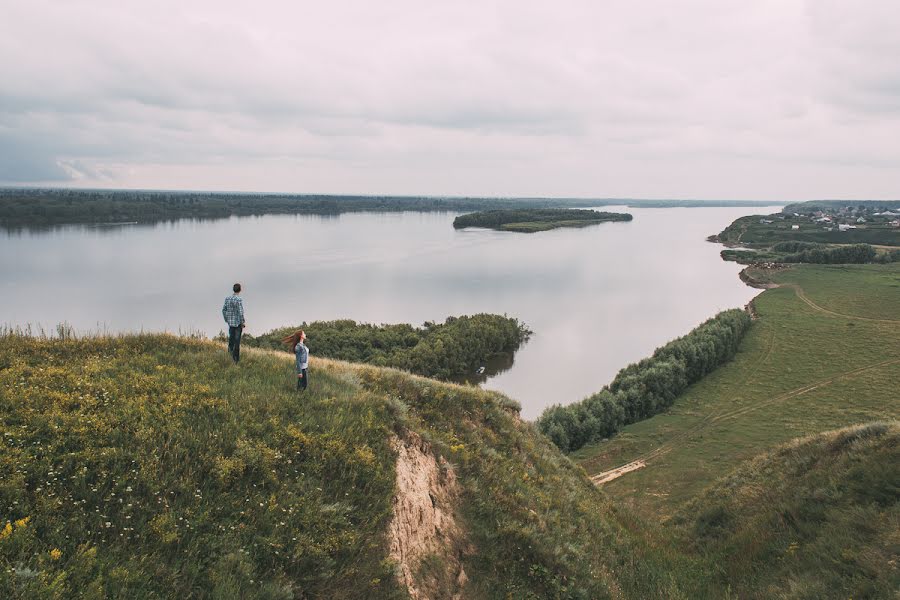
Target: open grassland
{"x": 151, "y": 466}
{"x": 824, "y": 353}
{"x": 816, "y": 518}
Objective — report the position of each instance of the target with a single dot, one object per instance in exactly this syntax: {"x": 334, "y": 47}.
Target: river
{"x": 597, "y": 298}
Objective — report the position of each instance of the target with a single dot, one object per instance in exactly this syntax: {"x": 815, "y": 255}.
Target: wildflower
{"x": 55, "y": 554}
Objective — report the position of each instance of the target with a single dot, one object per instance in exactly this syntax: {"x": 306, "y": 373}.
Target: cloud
{"x": 700, "y": 98}
{"x": 22, "y": 162}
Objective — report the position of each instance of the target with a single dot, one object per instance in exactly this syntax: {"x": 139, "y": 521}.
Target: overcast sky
{"x": 761, "y": 99}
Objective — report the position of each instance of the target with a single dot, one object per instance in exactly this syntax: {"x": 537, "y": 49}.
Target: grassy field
{"x": 823, "y": 354}
{"x": 152, "y": 467}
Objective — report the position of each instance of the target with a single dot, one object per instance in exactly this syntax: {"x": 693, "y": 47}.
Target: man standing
{"x": 233, "y": 312}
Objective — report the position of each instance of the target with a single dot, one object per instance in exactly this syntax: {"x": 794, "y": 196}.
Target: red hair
{"x": 294, "y": 338}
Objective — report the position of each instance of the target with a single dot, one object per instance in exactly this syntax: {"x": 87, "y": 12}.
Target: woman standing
{"x": 295, "y": 343}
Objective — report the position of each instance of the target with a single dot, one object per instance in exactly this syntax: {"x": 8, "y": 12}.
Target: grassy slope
{"x": 765, "y": 396}
{"x": 149, "y": 466}
{"x": 816, "y": 518}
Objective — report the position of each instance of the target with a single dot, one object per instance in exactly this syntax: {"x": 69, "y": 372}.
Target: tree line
{"x": 447, "y": 350}
{"x": 47, "y": 207}
{"x": 648, "y": 387}
{"x": 854, "y": 254}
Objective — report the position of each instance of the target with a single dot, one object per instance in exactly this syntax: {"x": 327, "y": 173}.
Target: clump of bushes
{"x": 855, "y": 254}
{"x": 794, "y": 246}
{"x": 648, "y": 387}
{"x": 445, "y": 350}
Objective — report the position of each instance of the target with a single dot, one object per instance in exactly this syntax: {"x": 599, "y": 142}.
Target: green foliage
{"x": 816, "y": 518}
{"x": 531, "y": 220}
{"x": 454, "y": 348}
{"x": 795, "y": 246}
{"x": 813, "y": 253}
{"x": 855, "y": 254}
{"x": 643, "y": 389}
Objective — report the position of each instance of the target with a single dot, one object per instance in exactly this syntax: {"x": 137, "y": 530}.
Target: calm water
{"x": 597, "y": 298}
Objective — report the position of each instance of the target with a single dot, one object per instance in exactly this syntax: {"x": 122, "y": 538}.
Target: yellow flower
{"x": 55, "y": 554}
{"x": 6, "y": 530}
{"x": 22, "y": 522}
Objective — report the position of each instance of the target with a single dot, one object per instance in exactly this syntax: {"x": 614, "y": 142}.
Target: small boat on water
{"x": 479, "y": 370}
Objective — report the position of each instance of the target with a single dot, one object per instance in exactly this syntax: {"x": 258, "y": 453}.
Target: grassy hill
{"x": 816, "y": 518}
{"x": 823, "y": 354}
{"x": 149, "y": 466}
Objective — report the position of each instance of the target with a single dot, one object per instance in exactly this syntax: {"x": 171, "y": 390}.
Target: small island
{"x": 535, "y": 219}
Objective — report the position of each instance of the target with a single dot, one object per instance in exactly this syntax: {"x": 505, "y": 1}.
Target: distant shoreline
{"x": 49, "y": 207}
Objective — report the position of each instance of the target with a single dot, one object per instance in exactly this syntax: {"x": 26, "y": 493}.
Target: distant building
{"x": 860, "y": 220}
{"x": 845, "y": 227}
{"x": 766, "y": 221}
{"x": 895, "y": 223}
{"x": 795, "y": 227}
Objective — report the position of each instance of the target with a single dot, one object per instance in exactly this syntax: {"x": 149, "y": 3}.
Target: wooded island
{"x": 536, "y": 219}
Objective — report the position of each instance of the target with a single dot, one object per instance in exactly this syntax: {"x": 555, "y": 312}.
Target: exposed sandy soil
{"x": 425, "y": 539}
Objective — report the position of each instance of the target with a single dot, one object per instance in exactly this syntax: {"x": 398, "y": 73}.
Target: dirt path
{"x": 665, "y": 448}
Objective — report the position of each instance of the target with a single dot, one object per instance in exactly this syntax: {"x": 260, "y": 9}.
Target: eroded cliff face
{"x": 426, "y": 540}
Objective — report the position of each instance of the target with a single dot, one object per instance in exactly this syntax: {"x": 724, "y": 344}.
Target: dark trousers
{"x": 234, "y": 342}
{"x": 302, "y": 382}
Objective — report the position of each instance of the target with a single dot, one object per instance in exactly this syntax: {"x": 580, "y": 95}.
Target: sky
{"x": 704, "y": 99}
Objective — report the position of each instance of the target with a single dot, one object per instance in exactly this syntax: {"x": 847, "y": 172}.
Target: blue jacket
{"x": 302, "y": 353}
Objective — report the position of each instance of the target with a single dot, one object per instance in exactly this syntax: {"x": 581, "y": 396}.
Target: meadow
{"x": 822, "y": 354}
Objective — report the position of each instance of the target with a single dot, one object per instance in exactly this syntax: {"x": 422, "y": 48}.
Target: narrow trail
{"x": 641, "y": 460}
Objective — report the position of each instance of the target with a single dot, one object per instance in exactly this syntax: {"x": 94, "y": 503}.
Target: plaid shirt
{"x": 233, "y": 310}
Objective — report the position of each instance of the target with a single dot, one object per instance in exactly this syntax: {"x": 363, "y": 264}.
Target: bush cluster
{"x": 855, "y": 254}
{"x": 445, "y": 350}
{"x": 794, "y": 246}
{"x": 648, "y": 387}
